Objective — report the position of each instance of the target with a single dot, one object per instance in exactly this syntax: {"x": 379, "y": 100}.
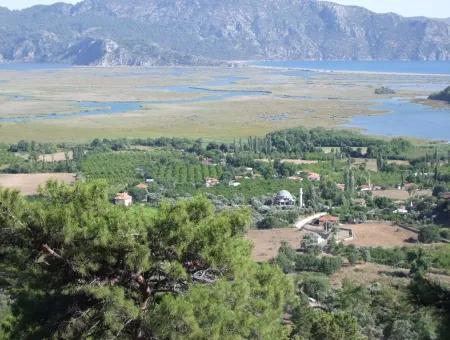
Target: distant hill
{"x": 444, "y": 95}
{"x": 164, "y": 32}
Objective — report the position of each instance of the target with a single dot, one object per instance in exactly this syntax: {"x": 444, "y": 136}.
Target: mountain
{"x": 163, "y": 32}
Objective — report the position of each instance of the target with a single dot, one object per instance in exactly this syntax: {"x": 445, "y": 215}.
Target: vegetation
{"x": 111, "y": 272}
{"x": 384, "y": 90}
{"x": 177, "y": 265}
{"x": 444, "y": 95}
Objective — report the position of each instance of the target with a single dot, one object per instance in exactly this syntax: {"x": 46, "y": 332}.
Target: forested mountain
{"x": 149, "y": 32}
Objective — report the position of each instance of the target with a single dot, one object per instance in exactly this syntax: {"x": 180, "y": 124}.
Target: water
{"x": 32, "y": 66}
{"x": 415, "y": 67}
{"x": 406, "y": 118}
{"x": 86, "y": 109}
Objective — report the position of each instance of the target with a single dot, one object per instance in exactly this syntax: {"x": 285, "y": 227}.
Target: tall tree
{"x": 78, "y": 267}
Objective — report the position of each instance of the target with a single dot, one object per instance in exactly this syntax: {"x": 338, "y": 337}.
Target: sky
{"x": 429, "y": 8}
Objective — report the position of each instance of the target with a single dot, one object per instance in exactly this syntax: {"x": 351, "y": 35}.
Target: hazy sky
{"x": 430, "y": 8}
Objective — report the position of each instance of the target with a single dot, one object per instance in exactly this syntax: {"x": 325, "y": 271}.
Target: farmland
{"x": 379, "y": 234}
{"x": 125, "y": 167}
{"x": 28, "y": 184}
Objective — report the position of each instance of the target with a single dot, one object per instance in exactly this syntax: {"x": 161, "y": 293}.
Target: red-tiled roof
{"x": 328, "y": 218}
{"x": 123, "y": 196}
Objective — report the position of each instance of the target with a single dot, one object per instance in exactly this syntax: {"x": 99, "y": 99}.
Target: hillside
{"x": 160, "y": 32}
{"x": 444, "y": 95}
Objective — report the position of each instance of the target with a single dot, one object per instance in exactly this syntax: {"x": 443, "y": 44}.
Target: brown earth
{"x": 267, "y": 242}
{"x": 400, "y": 195}
{"x": 56, "y": 157}
{"x": 370, "y": 272}
{"x": 28, "y": 184}
{"x": 381, "y": 234}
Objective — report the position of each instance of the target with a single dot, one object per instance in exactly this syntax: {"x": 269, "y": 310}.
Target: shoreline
{"x": 318, "y": 70}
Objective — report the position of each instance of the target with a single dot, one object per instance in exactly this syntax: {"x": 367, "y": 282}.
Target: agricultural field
{"x": 56, "y": 157}
{"x": 380, "y": 234}
{"x": 400, "y": 195}
{"x": 267, "y": 242}
{"x": 28, "y": 184}
{"x": 121, "y": 168}
{"x": 371, "y": 272}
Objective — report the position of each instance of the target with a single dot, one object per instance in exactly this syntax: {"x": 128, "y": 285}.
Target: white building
{"x": 284, "y": 198}
{"x": 123, "y": 199}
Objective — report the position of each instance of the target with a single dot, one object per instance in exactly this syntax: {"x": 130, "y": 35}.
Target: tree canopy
{"x": 76, "y": 266}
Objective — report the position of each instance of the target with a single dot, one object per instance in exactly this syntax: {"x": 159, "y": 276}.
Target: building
{"x": 284, "y": 199}
{"x": 123, "y": 199}
{"x": 234, "y": 184}
{"x": 313, "y": 176}
{"x": 401, "y": 210}
{"x": 327, "y": 221}
{"x": 142, "y": 186}
{"x": 365, "y": 187}
{"x": 341, "y": 186}
{"x": 445, "y": 195}
{"x": 211, "y": 182}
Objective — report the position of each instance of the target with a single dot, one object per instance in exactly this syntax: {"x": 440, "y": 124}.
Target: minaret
{"x": 300, "y": 202}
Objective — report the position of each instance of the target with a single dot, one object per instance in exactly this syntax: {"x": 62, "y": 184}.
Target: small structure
{"x": 328, "y": 221}
{"x": 365, "y": 187}
{"x": 207, "y": 161}
{"x": 142, "y": 186}
{"x": 445, "y": 195}
{"x": 401, "y": 210}
{"x": 234, "y": 184}
{"x": 360, "y": 202}
{"x": 211, "y": 182}
{"x": 284, "y": 199}
{"x": 341, "y": 186}
{"x": 123, "y": 199}
{"x": 313, "y": 176}
{"x": 295, "y": 178}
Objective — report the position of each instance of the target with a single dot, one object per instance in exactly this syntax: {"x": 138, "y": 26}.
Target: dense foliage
{"x": 76, "y": 266}
{"x": 443, "y": 95}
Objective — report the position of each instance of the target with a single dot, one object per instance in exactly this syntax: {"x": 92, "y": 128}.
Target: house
{"x": 123, "y": 199}
{"x": 401, "y": 210}
{"x": 328, "y": 219}
{"x": 365, "y": 187}
{"x": 313, "y": 176}
{"x": 234, "y": 184}
{"x": 341, "y": 186}
{"x": 283, "y": 199}
{"x": 211, "y": 182}
{"x": 445, "y": 195}
{"x": 360, "y": 202}
{"x": 207, "y": 161}
{"x": 142, "y": 186}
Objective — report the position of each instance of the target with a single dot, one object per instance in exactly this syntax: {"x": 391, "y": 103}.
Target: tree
{"x": 77, "y": 266}
{"x": 429, "y": 235}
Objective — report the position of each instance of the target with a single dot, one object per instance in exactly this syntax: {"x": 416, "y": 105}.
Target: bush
{"x": 429, "y": 235}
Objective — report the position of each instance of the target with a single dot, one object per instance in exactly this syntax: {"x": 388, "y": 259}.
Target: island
{"x": 444, "y": 95}
{"x": 384, "y": 90}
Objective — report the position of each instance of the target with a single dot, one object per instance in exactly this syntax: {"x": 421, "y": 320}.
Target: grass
{"x": 58, "y": 91}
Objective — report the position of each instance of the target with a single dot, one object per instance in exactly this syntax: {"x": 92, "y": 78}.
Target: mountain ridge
{"x": 208, "y": 32}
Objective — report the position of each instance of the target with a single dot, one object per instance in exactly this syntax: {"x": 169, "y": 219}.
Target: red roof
{"x": 328, "y": 218}
{"x": 123, "y": 196}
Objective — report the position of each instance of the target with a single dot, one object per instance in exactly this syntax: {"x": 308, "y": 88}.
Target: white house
{"x": 123, "y": 199}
